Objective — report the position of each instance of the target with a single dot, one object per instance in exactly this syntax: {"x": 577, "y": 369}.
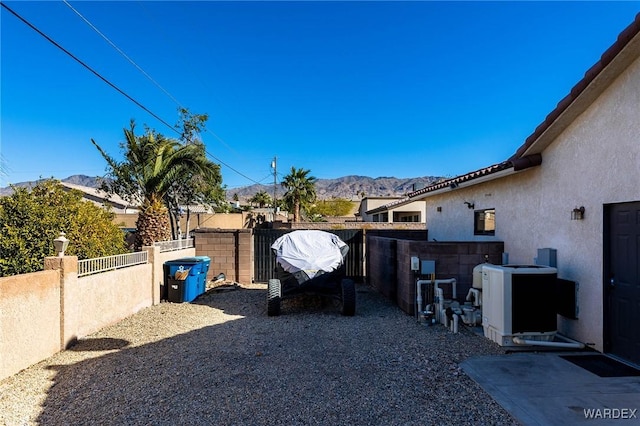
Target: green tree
{"x": 159, "y": 173}
{"x": 31, "y": 218}
{"x": 261, "y": 198}
{"x": 333, "y": 207}
{"x": 193, "y": 186}
{"x": 300, "y": 191}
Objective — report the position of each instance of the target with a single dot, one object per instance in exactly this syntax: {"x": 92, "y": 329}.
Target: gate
{"x": 265, "y": 262}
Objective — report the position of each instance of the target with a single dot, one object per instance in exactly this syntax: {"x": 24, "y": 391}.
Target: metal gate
{"x": 265, "y": 262}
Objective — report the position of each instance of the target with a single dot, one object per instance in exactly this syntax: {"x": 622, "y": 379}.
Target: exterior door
{"x": 622, "y": 281}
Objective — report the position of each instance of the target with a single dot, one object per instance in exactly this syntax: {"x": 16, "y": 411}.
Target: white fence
{"x": 166, "y": 246}
{"x": 110, "y": 263}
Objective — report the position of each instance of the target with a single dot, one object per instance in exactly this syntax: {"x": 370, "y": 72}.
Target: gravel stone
{"x": 221, "y": 360}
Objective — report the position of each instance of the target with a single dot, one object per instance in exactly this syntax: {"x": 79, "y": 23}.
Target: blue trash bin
{"x": 204, "y": 270}
{"x": 191, "y": 288}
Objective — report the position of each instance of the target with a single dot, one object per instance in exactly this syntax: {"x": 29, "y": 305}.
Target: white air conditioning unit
{"x": 518, "y": 301}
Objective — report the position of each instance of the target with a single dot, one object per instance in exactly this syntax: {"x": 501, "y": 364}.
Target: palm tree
{"x": 154, "y": 166}
{"x": 261, "y": 198}
{"x": 300, "y": 191}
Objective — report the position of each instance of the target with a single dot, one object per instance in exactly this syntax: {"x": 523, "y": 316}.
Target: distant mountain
{"x": 349, "y": 187}
{"x": 92, "y": 182}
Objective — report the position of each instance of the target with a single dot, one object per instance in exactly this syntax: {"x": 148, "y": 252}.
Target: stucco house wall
{"x": 370, "y": 203}
{"x": 593, "y": 162}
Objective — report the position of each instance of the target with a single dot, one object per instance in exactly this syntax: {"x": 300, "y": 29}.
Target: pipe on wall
{"x": 568, "y": 345}
{"x": 419, "y": 284}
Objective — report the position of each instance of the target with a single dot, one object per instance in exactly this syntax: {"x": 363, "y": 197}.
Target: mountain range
{"x": 348, "y": 187}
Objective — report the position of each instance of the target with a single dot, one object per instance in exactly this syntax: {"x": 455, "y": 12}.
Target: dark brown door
{"x": 622, "y": 281}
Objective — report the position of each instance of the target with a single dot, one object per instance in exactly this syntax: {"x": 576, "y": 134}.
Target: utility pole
{"x": 274, "y": 166}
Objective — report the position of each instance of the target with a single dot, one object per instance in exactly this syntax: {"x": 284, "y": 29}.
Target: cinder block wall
{"x": 382, "y": 265}
{"x": 230, "y": 250}
{"x": 453, "y": 260}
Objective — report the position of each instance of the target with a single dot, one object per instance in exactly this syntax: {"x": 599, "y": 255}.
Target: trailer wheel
{"x": 348, "y": 297}
{"x": 274, "y": 295}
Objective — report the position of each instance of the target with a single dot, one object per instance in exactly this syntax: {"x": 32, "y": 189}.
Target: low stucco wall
{"x": 29, "y": 320}
{"x": 417, "y": 226}
{"x": 197, "y": 220}
{"x": 115, "y": 295}
{"x": 43, "y": 312}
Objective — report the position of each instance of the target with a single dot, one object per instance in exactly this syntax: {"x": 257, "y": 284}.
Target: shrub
{"x": 31, "y": 218}
{"x": 333, "y": 208}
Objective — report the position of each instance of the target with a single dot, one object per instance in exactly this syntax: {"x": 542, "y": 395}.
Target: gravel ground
{"x": 222, "y": 361}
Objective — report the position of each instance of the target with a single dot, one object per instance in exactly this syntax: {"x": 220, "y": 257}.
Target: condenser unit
{"x": 517, "y": 301}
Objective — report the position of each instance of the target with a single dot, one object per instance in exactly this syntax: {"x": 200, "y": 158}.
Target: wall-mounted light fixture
{"x": 470, "y": 206}
{"x": 577, "y": 213}
{"x": 453, "y": 185}
{"x": 439, "y": 209}
{"x": 61, "y": 244}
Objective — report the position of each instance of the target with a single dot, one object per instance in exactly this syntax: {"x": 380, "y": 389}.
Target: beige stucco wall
{"x": 43, "y": 312}
{"x": 373, "y": 203}
{"x": 29, "y": 319}
{"x": 218, "y": 220}
{"x": 595, "y": 161}
{"x": 115, "y": 294}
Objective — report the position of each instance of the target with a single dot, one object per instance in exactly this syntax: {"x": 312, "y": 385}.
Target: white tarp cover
{"x": 309, "y": 251}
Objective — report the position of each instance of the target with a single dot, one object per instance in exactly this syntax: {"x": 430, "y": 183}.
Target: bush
{"x": 334, "y": 207}
{"x": 30, "y": 219}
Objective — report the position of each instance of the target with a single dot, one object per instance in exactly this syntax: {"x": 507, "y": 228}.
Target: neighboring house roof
{"x": 197, "y": 208}
{"x": 100, "y": 197}
{"x": 390, "y": 206}
{"x": 612, "y": 63}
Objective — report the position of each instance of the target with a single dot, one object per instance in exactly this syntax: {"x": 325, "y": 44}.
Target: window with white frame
{"x": 484, "y": 222}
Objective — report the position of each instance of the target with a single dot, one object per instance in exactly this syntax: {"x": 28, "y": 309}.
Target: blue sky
{"x": 400, "y": 89}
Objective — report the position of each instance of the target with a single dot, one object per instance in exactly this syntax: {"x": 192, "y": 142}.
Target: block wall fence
{"x": 230, "y": 250}
{"x": 389, "y": 265}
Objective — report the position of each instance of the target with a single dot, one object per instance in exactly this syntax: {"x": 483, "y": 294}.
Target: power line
{"x": 93, "y": 27}
{"x": 97, "y": 74}
{"x": 166, "y": 92}
{"x": 160, "y": 28}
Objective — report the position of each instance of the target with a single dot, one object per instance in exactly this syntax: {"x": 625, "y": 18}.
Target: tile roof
{"x": 606, "y": 58}
{"x": 525, "y": 156}
{"x": 515, "y": 165}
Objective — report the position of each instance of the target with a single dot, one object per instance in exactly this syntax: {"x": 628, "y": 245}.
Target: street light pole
{"x": 274, "y": 166}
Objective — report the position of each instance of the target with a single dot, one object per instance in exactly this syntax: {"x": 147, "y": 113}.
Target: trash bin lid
{"x": 184, "y": 261}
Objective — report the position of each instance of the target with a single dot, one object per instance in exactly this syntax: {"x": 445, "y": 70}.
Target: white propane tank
{"x": 477, "y": 276}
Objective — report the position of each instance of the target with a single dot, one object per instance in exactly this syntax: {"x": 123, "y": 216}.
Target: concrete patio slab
{"x": 544, "y": 389}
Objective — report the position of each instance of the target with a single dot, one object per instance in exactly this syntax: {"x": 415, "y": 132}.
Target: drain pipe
{"x": 568, "y": 343}
{"x": 474, "y": 296}
{"x": 439, "y": 299}
{"x": 419, "y": 284}
{"x": 454, "y": 323}
{"x": 451, "y": 281}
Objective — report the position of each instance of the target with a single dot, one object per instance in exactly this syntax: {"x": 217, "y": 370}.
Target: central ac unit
{"x": 517, "y": 301}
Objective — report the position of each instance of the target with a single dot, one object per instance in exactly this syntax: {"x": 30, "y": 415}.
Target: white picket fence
{"x": 110, "y": 263}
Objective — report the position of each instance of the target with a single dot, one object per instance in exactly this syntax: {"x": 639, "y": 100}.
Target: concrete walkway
{"x": 545, "y": 389}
